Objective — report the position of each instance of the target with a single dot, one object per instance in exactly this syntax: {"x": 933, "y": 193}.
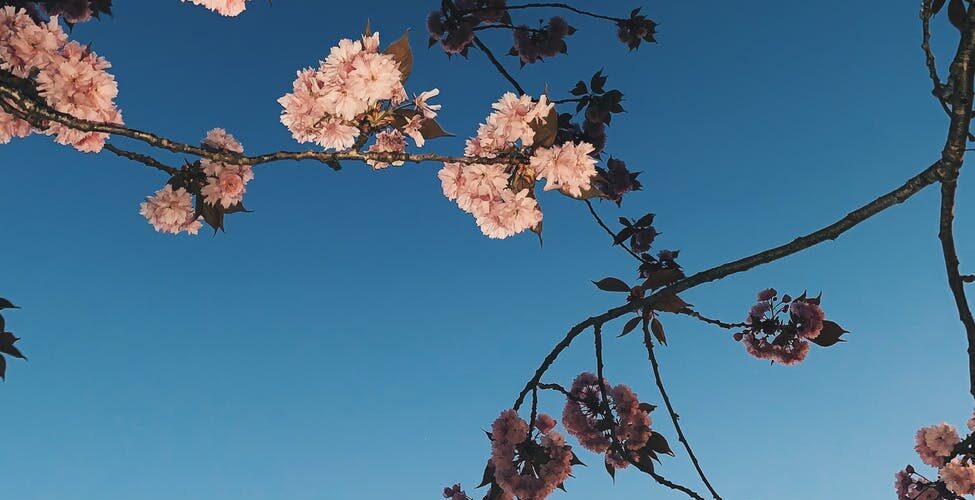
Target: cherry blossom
{"x": 171, "y": 211}
{"x": 228, "y": 8}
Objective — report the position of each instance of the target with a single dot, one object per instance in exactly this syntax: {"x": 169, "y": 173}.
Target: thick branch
{"x": 830, "y": 232}
{"x": 648, "y": 342}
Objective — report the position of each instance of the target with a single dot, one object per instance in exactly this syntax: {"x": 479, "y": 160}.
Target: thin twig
{"x": 717, "y": 322}
{"x": 610, "y": 232}
{"x": 497, "y": 64}
{"x": 648, "y": 342}
{"x": 554, "y": 5}
{"x": 141, "y": 158}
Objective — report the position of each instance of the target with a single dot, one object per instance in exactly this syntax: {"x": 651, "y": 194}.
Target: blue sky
{"x": 352, "y": 336}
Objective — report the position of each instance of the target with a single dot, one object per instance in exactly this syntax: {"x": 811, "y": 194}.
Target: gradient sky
{"x": 352, "y": 336}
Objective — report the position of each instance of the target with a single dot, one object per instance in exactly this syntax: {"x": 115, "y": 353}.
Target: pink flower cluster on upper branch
{"x": 70, "y": 78}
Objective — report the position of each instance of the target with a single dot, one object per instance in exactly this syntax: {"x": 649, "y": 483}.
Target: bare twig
{"x": 717, "y": 322}
{"x": 648, "y": 342}
{"x": 141, "y": 158}
{"x": 609, "y": 231}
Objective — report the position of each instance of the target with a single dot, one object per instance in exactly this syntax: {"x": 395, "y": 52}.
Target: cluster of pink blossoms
{"x": 70, "y": 77}
{"x": 171, "y": 211}
{"x": 584, "y": 419}
{"x": 217, "y": 184}
{"x": 357, "y": 89}
{"x": 544, "y": 466}
{"x": 941, "y": 447}
{"x": 226, "y": 184}
{"x": 501, "y": 197}
{"x": 223, "y": 7}
{"x": 934, "y": 444}
{"x": 768, "y": 336}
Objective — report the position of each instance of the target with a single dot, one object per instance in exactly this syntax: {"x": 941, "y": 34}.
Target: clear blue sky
{"x": 352, "y": 336}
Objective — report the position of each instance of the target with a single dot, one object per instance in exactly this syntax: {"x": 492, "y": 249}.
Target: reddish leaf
{"x": 545, "y": 131}
{"x": 663, "y": 277}
{"x": 658, "y": 330}
{"x": 612, "y": 285}
{"x": 610, "y": 469}
{"x": 658, "y": 443}
{"x": 630, "y": 325}
{"x": 647, "y": 407}
{"x": 829, "y": 335}
{"x": 670, "y": 303}
{"x": 403, "y": 54}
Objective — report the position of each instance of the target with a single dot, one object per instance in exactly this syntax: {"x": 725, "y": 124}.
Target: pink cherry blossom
{"x": 76, "y": 83}
{"x": 934, "y": 444}
{"x": 228, "y": 8}
{"x": 387, "y": 141}
{"x": 412, "y": 129}
{"x": 26, "y": 45}
{"x": 568, "y": 167}
{"x": 959, "y": 477}
{"x": 513, "y": 117}
{"x": 171, "y": 211}
{"x": 583, "y": 418}
{"x": 809, "y": 317}
{"x": 429, "y": 110}
{"x": 508, "y": 433}
{"x": 11, "y": 126}
{"x": 226, "y": 183}
{"x": 509, "y": 215}
{"x": 544, "y": 423}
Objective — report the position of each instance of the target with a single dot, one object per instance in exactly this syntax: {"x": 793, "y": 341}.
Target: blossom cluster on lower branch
{"x": 940, "y": 447}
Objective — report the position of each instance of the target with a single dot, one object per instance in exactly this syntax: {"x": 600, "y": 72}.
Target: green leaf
{"x": 403, "y": 54}
{"x": 612, "y": 285}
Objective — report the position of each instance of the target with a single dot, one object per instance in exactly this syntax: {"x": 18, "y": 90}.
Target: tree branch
{"x": 913, "y": 185}
{"x": 141, "y": 158}
{"x": 648, "y": 342}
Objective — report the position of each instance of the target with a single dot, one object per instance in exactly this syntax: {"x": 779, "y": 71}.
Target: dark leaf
{"x": 239, "y": 207}
{"x": 610, "y": 469}
{"x": 3, "y": 323}
{"x": 581, "y": 104}
{"x": 936, "y": 6}
{"x": 647, "y": 407}
{"x": 626, "y": 222}
{"x": 6, "y": 304}
{"x": 576, "y": 461}
{"x": 630, "y": 325}
{"x": 430, "y": 129}
{"x": 580, "y": 89}
{"x": 561, "y": 486}
{"x": 670, "y": 303}
{"x": 658, "y": 330}
{"x": 829, "y": 335}
{"x": 3, "y": 368}
{"x": 658, "y": 443}
{"x": 7, "y": 341}
{"x": 663, "y": 277}
{"x": 645, "y": 221}
{"x": 623, "y": 235}
{"x": 488, "y": 476}
{"x": 403, "y": 54}
{"x": 597, "y": 82}
{"x": 506, "y": 18}
{"x": 612, "y": 285}
{"x": 546, "y": 131}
